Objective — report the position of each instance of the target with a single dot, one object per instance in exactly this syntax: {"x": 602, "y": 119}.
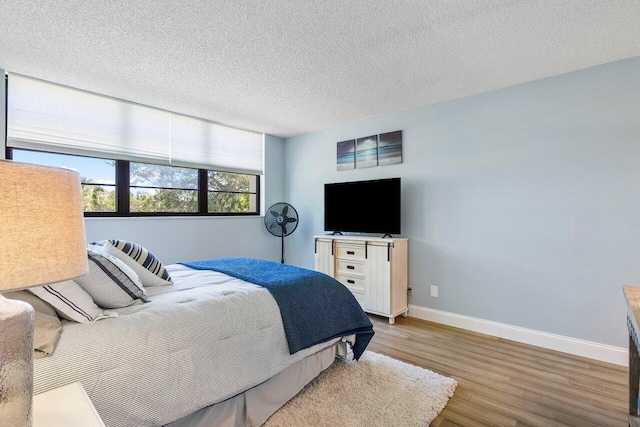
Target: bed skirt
{"x": 253, "y": 407}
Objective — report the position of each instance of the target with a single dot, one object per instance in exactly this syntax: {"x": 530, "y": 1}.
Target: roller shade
{"x": 50, "y": 117}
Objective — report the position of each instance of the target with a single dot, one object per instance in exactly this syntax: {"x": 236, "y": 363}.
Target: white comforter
{"x": 202, "y": 340}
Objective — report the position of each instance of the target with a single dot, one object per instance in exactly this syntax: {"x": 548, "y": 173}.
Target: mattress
{"x": 198, "y": 342}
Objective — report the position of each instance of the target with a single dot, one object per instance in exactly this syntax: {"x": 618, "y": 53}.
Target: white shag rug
{"x": 375, "y": 391}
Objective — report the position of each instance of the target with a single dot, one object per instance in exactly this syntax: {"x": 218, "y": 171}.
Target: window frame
{"x": 123, "y": 192}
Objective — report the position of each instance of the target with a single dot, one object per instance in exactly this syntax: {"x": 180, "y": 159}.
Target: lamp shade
{"x": 42, "y": 237}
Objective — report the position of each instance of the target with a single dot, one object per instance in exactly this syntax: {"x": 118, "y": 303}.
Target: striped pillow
{"x": 143, "y": 262}
{"x": 111, "y": 283}
{"x": 71, "y": 302}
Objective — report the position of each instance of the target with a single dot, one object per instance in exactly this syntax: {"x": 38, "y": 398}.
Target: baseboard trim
{"x": 578, "y": 347}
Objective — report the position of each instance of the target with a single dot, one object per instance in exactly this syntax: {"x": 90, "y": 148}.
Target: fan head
{"x": 281, "y": 219}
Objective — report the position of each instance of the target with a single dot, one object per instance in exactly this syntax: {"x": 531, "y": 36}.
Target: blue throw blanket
{"x": 314, "y": 307}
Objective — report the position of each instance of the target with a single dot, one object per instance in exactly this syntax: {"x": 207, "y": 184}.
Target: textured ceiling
{"x": 291, "y": 67}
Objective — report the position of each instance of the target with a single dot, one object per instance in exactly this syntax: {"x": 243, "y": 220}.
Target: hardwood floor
{"x": 505, "y": 383}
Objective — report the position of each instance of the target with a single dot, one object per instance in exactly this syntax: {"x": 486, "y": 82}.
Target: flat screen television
{"x": 363, "y": 206}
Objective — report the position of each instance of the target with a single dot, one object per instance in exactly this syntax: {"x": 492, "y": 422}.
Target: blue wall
{"x": 521, "y": 204}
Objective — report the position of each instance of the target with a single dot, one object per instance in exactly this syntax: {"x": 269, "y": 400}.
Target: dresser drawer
{"x": 355, "y": 284}
{"x": 350, "y": 251}
{"x": 350, "y": 267}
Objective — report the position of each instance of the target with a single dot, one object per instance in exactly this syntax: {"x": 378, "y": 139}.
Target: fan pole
{"x": 282, "y": 260}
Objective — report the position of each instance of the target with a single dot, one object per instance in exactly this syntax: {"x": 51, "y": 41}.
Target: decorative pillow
{"x": 122, "y": 266}
{"x": 111, "y": 283}
{"x": 47, "y": 326}
{"x": 71, "y": 302}
{"x": 147, "y": 266}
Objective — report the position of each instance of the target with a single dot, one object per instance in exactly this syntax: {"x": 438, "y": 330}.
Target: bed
{"x": 211, "y": 349}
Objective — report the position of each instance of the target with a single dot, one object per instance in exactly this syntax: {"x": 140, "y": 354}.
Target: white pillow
{"x": 111, "y": 283}
{"x": 153, "y": 274}
{"x": 71, "y": 302}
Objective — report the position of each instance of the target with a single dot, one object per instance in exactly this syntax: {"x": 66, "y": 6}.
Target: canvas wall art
{"x": 390, "y": 148}
{"x": 367, "y": 152}
{"x": 370, "y": 151}
{"x": 346, "y": 155}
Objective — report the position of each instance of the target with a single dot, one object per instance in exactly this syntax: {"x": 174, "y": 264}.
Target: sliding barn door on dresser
{"x": 324, "y": 256}
{"x": 373, "y": 269}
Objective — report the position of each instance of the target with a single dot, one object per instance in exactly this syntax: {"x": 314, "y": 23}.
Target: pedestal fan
{"x": 281, "y": 220}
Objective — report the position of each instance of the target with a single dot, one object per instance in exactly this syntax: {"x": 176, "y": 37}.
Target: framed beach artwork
{"x": 390, "y": 148}
{"x": 346, "y": 156}
{"x": 367, "y": 152}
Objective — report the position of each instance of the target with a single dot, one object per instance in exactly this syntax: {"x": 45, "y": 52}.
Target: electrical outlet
{"x": 410, "y": 292}
{"x": 434, "y": 291}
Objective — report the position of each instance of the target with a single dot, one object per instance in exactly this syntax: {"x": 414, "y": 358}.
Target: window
{"x": 98, "y": 176}
{"x": 149, "y": 190}
{"x": 134, "y": 160}
{"x": 231, "y": 192}
{"x": 155, "y": 188}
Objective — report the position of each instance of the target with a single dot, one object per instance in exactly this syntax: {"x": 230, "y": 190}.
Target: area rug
{"x": 375, "y": 391}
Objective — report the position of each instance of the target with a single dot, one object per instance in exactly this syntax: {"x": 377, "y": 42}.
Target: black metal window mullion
{"x": 233, "y": 192}
{"x": 152, "y": 187}
{"x": 7, "y": 150}
{"x": 203, "y": 191}
{"x": 122, "y": 187}
{"x": 257, "y": 212}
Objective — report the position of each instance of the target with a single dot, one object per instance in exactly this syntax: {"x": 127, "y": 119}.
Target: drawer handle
{"x": 350, "y": 267}
{"x": 351, "y": 281}
{"x": 351, "y": 253}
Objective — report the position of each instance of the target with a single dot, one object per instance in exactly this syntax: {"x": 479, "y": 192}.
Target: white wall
{"x": 522, "y": 204}
{"x": 174, "y": 239}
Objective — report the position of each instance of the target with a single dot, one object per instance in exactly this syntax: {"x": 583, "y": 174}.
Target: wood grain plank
{"x": 504, "y": 383}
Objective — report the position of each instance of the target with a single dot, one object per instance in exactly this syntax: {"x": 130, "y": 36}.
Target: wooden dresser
{"x": 372, "y": 268}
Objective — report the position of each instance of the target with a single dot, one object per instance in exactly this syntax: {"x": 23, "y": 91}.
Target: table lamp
{"x": 42, "y": 240}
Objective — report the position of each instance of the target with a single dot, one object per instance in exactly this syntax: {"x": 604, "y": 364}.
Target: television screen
{"x": 363, "y": 206}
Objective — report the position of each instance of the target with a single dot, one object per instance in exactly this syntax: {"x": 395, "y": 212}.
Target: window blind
{"x": 50, "y": 117}
{"x": 202, "y": 144}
